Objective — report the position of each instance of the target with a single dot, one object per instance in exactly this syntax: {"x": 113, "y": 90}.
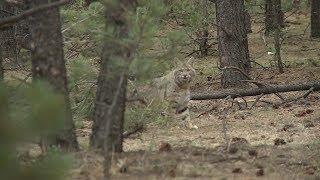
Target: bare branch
{"x": 5, "y": 22}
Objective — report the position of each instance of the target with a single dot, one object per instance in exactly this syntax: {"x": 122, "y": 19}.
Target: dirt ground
{"x": 268, "y": 141}
{"x": 265, "y": 142}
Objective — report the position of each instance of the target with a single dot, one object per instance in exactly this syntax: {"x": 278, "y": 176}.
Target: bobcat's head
{"x": 184, "y": 74}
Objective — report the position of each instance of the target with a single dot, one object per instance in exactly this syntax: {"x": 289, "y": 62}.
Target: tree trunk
{"x": 233, "y": 41}
{"x": 315, "y": 19}
{"x": 203, "y": 42}
{"x": 273, "y": 8}
{"x": 108, "y": 118}
{"x": 204, "y": 32}
{"x": 1, "y": 66}
{"x": 277, "y": 45}
{"x": 48, "y": 64}
{"x": 110, "y": 100}
{"x": 7, "y": 43}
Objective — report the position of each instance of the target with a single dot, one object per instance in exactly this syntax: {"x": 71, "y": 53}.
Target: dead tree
{"x": 48, "y": 65}
{"x": 315, "y": 19}
{"x": 273, "y": 8}
{"x": 270, "y": 89}
{"x": 233, "y": 41}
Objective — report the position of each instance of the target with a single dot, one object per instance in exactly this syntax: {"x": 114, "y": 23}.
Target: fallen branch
{"x": 137, "y": 129}
{"x": 256, "y": 101}
{"x": 207, "y": 111}
{"x": 5, "y": 22}
{"x": 270, "y": 89}
{"x": 304, "y": 96}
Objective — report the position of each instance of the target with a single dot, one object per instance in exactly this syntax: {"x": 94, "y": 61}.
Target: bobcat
{"x": 175, "y": 89}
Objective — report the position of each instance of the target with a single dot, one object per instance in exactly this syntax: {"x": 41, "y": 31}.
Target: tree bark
{"x": 257, "y": 91}
{"x": 277, "y": 39}
{"x": 108, "y": 118}
{"x": 315, "y": 19}
{"x": 204, "y": 32}
{"x": 48, "y": 64}
{"x": 7, "y": 43}
{"x": 110, "y": 100}
{"x": 5, "y": 11}
{"x": 1, "y": 66}
{"x": 277, "y": 45}
{"x": 273, "y": 15}
{"x": 233, "y": 41}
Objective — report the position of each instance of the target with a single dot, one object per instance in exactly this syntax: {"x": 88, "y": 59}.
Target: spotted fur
{"x": 175, "y": 89}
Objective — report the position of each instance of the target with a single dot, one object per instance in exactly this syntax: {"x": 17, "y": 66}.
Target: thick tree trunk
{"x": 112, "y": 81}
{"x": 7, "y": 43}
{"x": 4, "y": 37}
{"x": 272, "y": 9}
{"x": 233, "y": 41}
{"x": 48, "y": 64}
{"x": 315, "y": 18}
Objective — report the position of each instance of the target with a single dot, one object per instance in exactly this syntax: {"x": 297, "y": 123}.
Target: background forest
{"x": 73, "y": 74}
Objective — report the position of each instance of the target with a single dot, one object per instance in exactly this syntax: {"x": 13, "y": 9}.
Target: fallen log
{"x": 270, "y": 89}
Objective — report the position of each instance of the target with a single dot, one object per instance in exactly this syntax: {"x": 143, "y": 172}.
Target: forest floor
{"x": 265, "y": 142}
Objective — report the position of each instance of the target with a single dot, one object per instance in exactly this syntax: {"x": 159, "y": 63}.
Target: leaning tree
{"x": 48, "y": 64}
{"x": 233, "y": 42}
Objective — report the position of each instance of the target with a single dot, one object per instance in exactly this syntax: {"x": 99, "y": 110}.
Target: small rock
{"x": 253, "y": 152}
{"x": 233, "y": 150}
{"x": 275, "y": 106}
{"x": 308, "y": 124}
{"x": 290, "y": 140}
{"x": 165, "y": 147}
{"x": 172, "y": 173}
{"x": 287, "y": 126}
{"x": 279, "y": 141}
{"x": 309, "y": 111}
{"x": 239, "y": 140}
{"x": 304, "y": 113}
{"x": 237, "y": 170}
{"x": 311, "y": 170}
{"x": 272, "y": 124}
{"x": 260, "y": 172}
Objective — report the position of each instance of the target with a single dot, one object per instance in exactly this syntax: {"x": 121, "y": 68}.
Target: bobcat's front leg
{"x": 185, "y": 120}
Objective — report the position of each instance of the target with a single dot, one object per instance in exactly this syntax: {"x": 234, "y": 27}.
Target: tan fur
{"x": 175, "y": 89}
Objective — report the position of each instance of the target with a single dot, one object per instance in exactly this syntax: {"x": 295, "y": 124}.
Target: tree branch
{"x": 5, "y": 22}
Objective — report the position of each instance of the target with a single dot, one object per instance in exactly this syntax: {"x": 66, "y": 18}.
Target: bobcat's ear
{"x": 190, "y": 61}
